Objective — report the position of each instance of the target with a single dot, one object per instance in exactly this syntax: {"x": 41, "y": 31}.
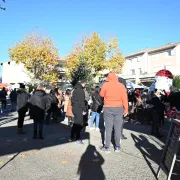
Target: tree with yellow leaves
{"x": 96, "y": 54}
{"x": 115, "y": 60}
{"x": 39, "y": 56}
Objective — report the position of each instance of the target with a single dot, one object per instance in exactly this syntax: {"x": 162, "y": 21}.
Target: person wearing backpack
{"x": 39, "y": 104}
{"x": 22, "y": 107}
{"x": 96, "y": 108}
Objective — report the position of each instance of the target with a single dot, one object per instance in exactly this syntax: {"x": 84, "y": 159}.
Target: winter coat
{"x": 2, "y": 95}
{"x": 174, "y": 99}
{"x": 66, "y": 101}
{"x": 53, "y": 101}
{"x": 22, "y": 99}
{"x": 157, "y": 104}
{"x": 97, "y": 103}
{"x": 39, "y": 103}
{"x": 78, "y": 104}
{"x": 13, "y": 96}
{"x": 78, "y": 97}
{"x": 69, "y": 109}
{"x": 87, "y": 97}
{"x": 4, "y": 91}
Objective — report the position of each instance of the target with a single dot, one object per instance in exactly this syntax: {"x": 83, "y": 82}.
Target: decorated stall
{"x": 163, "y": 80}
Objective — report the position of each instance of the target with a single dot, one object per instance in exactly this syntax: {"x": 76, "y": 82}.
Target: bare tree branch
{"x": 2, "y": 8}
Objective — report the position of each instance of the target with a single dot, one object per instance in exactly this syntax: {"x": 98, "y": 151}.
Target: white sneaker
{"x": 92, "y": 128}
{"x": 97, "y": 129}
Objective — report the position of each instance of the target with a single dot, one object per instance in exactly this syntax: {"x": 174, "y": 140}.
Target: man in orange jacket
{"x": 115, "y": 106}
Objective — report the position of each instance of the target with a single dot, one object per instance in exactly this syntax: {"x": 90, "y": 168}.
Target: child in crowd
{"x": 67, "y": 97}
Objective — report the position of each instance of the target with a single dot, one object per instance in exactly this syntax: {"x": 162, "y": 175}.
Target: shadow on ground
{"x": 148, "y": 150}
{"x": 11, "y": 143}
{"x": 56, "y": 134}
{"x": 90, "y": 165}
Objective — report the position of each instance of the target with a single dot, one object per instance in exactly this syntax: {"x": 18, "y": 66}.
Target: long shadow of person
{"x": 148, "y": 150}
{"x": 90, "y": 165}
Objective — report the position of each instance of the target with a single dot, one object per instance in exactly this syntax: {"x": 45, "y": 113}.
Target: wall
{"x": 177, "y": 69}
{"x": 14, "y": 73}
{"x": 136, "y": 64}
{"x": 161, "y": 60}
{"x": 151, "y": 63}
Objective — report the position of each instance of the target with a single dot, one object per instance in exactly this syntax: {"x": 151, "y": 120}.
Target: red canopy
{"x": 5, "y": 84}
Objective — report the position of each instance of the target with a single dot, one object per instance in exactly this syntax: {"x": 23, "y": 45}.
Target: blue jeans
{"x": 95, "y": 115}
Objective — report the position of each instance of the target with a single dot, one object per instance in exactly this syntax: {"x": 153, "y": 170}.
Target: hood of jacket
{"x": 112, "y": 77}
{"x": 39, "y": 93}
{"x": 78, "y": 86}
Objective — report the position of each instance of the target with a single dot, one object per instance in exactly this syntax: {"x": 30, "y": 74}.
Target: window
{"x": 139, "y": 71}
{"x": 171, "y": 52}
{"x": 132, "y": 71}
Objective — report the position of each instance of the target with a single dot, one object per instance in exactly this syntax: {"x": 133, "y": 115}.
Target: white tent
{"x": 15, "y": 86}
{"x": 131, "y": 85}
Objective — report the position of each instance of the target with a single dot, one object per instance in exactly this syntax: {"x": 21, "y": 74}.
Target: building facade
{"x": 13, "y": 73}
{"x": 143, "y": 65}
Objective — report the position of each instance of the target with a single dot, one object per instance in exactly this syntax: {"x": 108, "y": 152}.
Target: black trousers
{"x": 4, "y": 104}
{"x": 155, "y": 123}
{"x": 76, "y": 131}
{"x": 38, "y": 124}
{"x": 161, "y": 119}
{"x": 21, "y": 116}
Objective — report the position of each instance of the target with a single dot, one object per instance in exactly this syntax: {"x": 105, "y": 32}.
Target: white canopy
{"x": 131, "y": 85}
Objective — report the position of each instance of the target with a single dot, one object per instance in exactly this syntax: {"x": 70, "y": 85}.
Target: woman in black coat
{"x": 96, "y": 108}
{"x": 78, "y": 110}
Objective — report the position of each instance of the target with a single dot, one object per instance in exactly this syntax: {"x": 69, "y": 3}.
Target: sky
{"x": 137, "y": 24}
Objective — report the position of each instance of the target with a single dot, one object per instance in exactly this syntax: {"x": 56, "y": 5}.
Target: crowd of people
{"x": 152, "y": 107}
{"x": 113, "y": 100}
